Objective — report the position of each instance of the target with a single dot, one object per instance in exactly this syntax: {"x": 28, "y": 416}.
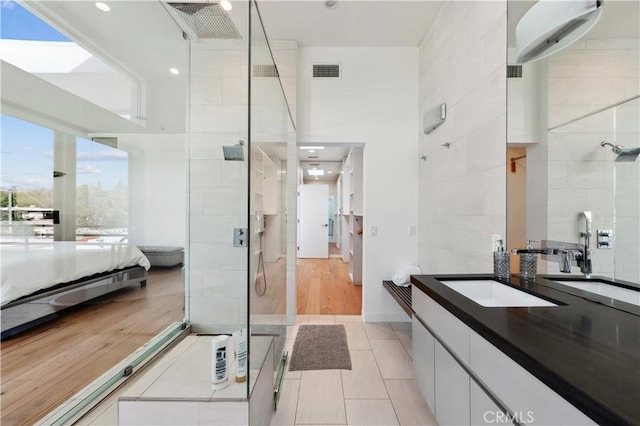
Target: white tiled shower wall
{"x": 462, "y": 191}
{"x": 217, "y": 188}
{"x": 589, "y": 76}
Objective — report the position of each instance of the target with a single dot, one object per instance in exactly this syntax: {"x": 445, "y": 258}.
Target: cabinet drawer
{"x": 452, "y": 390}
{"x": 522, "y": 392}
{"x": 424, "y": 362}
{"x": 448, "y": 328}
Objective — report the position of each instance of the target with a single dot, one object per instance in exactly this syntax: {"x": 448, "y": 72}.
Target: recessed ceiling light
{"x": 315, "y": 172}
{"x": 226, "y": 5}
{"x": 329, "y": 171}
{"x": 174, "y": 71}
{"x": 331, "y": 4}
{"x": 312, "y": 147}
{"x": 103, "y": 6}
{"x": 312, "y": 150}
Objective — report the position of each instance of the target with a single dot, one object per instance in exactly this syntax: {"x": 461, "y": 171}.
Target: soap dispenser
{"x": 528, "y": 262}
{"x": 501, "y": 268}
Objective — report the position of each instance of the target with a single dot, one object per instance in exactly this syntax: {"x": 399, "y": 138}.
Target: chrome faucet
{"x": 571, "y": 253}
{"x": 584, "y": 261}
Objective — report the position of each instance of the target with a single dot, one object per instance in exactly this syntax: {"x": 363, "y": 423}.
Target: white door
{"x": 313, "y": 228}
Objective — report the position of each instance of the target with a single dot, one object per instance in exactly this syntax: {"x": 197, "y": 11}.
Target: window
{"x": 26, "y": 187}
{"x": 29, "y": 43}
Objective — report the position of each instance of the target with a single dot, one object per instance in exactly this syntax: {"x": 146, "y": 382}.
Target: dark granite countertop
{"x": 588, "y": 351}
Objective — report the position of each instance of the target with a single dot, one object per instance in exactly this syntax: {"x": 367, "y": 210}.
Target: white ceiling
{"x": 327, "y": 159}
{"x": 352, "y": 23}
{"x": 142, "y": 38}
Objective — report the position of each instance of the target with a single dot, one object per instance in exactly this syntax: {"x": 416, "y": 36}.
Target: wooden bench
{"x": 402, "y": 295}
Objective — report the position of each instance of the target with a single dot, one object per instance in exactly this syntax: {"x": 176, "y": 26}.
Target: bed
{"x": 38, "y": 280}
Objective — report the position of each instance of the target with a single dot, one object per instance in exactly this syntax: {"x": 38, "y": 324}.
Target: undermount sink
{"x": 608, "y": 290}
{"x": 490, "y": 293}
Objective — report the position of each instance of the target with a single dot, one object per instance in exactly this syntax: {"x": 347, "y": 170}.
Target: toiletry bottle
{"x": 528, "y": 263}
{"x": 219, "y": 363}
{"x": 240, "y": 346}
{"x": 501, "y": 268}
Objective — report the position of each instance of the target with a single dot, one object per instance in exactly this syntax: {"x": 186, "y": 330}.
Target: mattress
{"x": 27, "y": 268}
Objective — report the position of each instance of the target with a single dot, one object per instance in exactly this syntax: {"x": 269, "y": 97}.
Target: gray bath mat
{"x": 320, "y": 347}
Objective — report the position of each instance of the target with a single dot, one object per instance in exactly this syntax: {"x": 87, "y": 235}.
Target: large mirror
{"x": 561, "y": 111}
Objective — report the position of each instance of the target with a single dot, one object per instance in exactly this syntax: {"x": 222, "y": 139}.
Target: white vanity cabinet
{"x": 451, "y": 361}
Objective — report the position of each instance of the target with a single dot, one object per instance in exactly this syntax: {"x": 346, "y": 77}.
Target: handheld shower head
{"x": 623, "y": 154}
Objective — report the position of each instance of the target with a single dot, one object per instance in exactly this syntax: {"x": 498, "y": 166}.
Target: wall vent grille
{"x": 266, "y": 70}
{"x": 514, "y": 71}
{"x": 326, "y": 71}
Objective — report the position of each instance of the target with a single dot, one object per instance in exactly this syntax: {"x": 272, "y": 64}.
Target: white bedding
{"x": 27, "y": 268}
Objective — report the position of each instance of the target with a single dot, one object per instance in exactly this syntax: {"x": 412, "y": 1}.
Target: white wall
{"x": 463, "y": 188}
{"x": 374, "y": 102}
{"x": 158, "y": 188}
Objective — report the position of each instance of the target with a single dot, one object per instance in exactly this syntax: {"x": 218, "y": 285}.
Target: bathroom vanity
{"x": 542, "y": 352}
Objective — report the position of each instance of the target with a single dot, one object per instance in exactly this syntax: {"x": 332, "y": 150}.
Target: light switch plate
{"x": 373, "y": 230}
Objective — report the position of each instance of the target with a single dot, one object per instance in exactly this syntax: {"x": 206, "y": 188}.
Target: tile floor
{"x": 378, "y": 390}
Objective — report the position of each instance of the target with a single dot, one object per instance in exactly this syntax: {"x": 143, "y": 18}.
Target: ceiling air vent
{"x": 514, "y": 71}
{"x": 326, "y": 71}
{"x": 314, "y": 164}
{"x": 312, "y": 156}
{"x": 268, "y": 70}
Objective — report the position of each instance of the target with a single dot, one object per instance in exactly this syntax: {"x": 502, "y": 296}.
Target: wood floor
{"x": 43, "y": 367}
{"x": 324, "y": 287}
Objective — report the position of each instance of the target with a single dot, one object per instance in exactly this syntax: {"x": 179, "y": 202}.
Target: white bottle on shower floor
{"x": 219, "y": 362}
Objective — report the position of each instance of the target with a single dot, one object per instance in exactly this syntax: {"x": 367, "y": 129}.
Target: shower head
{"x": 624, "y": 154}
{"x": 234, "y": 152}
{"x": 200, "y": 19}
{"x": 628, "y": 155}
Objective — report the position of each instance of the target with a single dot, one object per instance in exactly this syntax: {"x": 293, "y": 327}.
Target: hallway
{"x": 324, "y": 287}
